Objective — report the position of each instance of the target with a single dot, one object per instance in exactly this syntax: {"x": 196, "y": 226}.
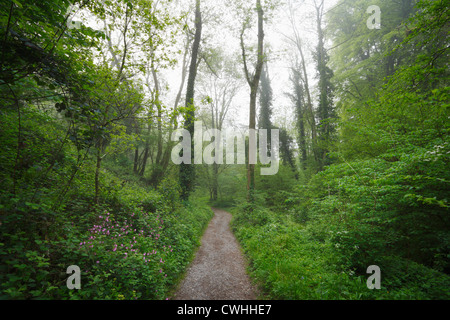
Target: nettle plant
{"x": 125, "y": 257}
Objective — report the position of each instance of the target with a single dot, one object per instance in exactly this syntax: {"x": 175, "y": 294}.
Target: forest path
{"x": 218, "y": 270}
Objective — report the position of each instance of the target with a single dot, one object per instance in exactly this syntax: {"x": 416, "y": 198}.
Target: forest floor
{"x": 218, "y": 271}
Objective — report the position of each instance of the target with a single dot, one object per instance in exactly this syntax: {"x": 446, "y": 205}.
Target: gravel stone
{"x": 218, "y": 270}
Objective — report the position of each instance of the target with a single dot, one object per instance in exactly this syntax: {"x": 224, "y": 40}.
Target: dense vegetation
{"x": 89, "y": 102}
{"x": 69, "y": 194}
{"x": 384, "y": 199}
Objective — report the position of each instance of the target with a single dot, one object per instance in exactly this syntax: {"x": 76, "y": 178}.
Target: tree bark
{"x": 253, "y": 82}
{"x": 187, "y": 170}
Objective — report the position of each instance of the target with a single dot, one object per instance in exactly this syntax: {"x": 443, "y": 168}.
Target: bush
{"x": 327, "y": 258}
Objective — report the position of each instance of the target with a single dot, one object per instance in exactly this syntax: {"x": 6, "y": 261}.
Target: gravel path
{"x": 218, "y": 270}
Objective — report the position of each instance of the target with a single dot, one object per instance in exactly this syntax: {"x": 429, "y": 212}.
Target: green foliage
{"x": 69, "y": 196}
{"x": 288, "y": 263}
{"x": 289, "y": 260}
{"x": 124, "y": 253}
{"x": 385, "y": 200}
{"x": 75, "y": 190}
{"x": 41, "y": 233}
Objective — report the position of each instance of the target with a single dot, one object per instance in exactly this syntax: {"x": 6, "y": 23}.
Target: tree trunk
{"x": 252, "y": 125}
{"x": 325, "y": 108}
{"x": 302, "y": 142}
{"x": 312, "y": 121}
{"x": 136, "y": 160}
{"x": 253, "y": 83}
{"x": 146, "y": 153}
{"x": 215, "y": 184}
{"x": 187, "y": 170}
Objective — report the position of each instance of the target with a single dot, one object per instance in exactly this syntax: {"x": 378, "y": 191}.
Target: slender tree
{"x": 325, "y": 110}
{"x": 297, "y": 97}
{"x": 187, "y": 173}
{"x": 308, "y": 114}
{"x": 265, "y": 104}
{"x": 253, "y": 82}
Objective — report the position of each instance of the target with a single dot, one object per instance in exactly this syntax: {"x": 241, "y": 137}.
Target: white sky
{"x": 279, "y": 58}
{"x": 279, "y": 62}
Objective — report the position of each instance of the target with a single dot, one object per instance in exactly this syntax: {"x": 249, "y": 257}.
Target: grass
{"x": 288, "y": 263}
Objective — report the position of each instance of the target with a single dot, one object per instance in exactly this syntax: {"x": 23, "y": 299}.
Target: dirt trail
{"x": 218, "y": 270}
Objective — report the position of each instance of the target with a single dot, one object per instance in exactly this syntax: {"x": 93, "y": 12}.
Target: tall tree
{"x": 325, "y": 110}
{"x": 301, "y": 74}
{"x": 187, "y": 172}
{"x": 265, "y": 104}
{"x": 253, "y": 82}
{"x": 297, "y": 97}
